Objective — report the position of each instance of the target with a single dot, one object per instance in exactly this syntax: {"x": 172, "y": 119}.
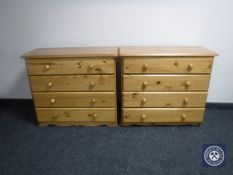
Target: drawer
{"x": 162, "y": 115}
{"x": 73, "y": 83}
{"x": 76, "y": 114}
{"x": 132, "y": 65}
{"x": 59, "y": 66}
{"x": 166, "y": 82}
{"x": 164, "y": 99}
{"x": 75, "y": 99}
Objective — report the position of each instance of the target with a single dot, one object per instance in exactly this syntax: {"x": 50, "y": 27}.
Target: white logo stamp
{"x": 214, "y": 156}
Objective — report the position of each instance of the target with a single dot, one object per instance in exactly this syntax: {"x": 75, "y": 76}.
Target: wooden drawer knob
{"x": 145, "y": 84}
{"x": 190, "y": 67}
{"x": 183, "y": 117}
{"x": 47, "y": 67}
{"x": 91, "y": 66}
{"x": 66, "y": 115}
{"x": 144, "y": 100}
{"x": 143, "y": 117}
{"x": 50, "y": 84}
{"x": 186, "y": 100}
{"x": 92, "y": 84}
{"x": 55, "y": 116}
{"x": 94, "y": 116}
{"x": 145, "y": 66}
{"x": 187, "y": 84}
{"x": 127, "y": 116}
{"x": 93, "y": 101}
{"x": 52, "y": 101}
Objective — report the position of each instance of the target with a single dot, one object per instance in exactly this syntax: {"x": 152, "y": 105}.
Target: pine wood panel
{"x": 165, "y": 82}
{"x": 194, "y": 51}
{"x": 76, "y": 114}
{"x": 73, "y": 83}
{"x": 60, "y": 66}
{"x": 163, "y": 115}
{"x": 77, "y": 123}
{"x": 161, "y": 123}
{"x": 144, "y": 65}
{"x": 65, "y": 52}
{"x": 75, "y": 99}
{"x": 164, "y": 99}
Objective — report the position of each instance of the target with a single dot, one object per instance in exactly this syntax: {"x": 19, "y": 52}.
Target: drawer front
{"x": 75, "y": 99}
{"x": 59, "y": 66}
{"x": 167, "y": 65}
{"x": 73, "y": 83}
{"x": 76, "y": 114}
{"x": 166, "y": 82}
{"x": 164, "y": 99}
{"x": 163, "y": 115}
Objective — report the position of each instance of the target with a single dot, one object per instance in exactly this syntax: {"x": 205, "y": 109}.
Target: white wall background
{"x": 28, "y": 24}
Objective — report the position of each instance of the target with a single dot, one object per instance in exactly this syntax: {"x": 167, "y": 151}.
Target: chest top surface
{"x": 166, "y": 51}
{"x": 72, "y": 52}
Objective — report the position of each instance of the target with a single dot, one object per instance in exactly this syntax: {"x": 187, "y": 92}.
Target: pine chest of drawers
{"x": 164, "y": 85}
{"x": 73, "y": 86}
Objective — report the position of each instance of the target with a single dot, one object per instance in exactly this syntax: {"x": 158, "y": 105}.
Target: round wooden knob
{"x": 186, "y": 100}
{"x": 145, "y": 84}
{"x": 92, "y": 84}
{"x": 52, "y": 101}
{"x": 187, "y": 84}
{"x": 183, "y": 117}
{"x": 93, "y": 100}
{"x": 47, "y": 67}
{"x": 94, "y": 116}
{"x": 55, "y": 116}
{"x": 143, "y": 117}
{"x": 190, "y": 67}
{"x": 145, "y": 66}
{"x": 144, "y": 100}
{"x": 91, "y": 66}
{"x": 127, "y": 116}
{"x": 66, "y": 115}
{"x": 50, "y": 84}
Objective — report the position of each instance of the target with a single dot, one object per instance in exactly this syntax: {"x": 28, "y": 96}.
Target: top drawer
{"x": 61, "y": 66}
{"x": 147, "y": 65}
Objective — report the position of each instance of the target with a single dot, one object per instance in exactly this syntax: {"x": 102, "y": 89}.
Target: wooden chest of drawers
{"x": 73, "y": 86}
{"x": 164, "y": 85}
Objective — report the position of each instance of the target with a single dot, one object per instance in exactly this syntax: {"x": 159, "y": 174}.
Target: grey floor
{"x": 26, "y": 149}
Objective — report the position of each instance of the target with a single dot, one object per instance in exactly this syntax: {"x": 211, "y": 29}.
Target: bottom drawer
{"x": 163, "y": 115}
{"x": 76, "y": 114}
